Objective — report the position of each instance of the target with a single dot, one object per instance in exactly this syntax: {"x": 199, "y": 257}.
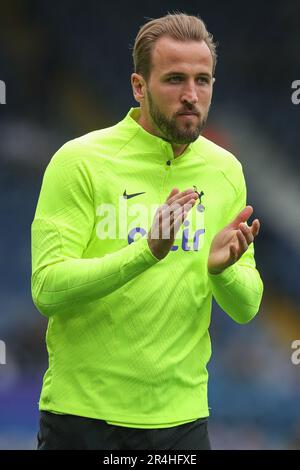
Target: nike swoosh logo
{"x": 128, "y": 196}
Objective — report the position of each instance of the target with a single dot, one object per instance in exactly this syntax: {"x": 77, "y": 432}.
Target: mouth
{"x": 187, "y": 113}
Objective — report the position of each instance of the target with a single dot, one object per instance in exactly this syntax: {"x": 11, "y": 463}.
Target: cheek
{"x": 168, "y": 95}
{"x": 204, "y": 97}
{"x": 167, "y": 101}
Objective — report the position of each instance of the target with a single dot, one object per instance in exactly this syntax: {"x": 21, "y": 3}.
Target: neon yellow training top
{"x": 127, "y": 337}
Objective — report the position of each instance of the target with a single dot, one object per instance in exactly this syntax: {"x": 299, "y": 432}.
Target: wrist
{"x": 227, "y": 276}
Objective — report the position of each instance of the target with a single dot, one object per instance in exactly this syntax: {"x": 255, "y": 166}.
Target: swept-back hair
{"x": 178, "y": 26}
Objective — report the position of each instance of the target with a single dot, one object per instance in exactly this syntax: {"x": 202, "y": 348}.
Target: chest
{"x": 127, "y": 197}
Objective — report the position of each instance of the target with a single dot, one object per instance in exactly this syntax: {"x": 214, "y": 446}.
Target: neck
{"x": 178, "y": 149}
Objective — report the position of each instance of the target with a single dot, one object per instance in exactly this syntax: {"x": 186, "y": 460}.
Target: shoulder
{"x": 221, "y": 160}
{"x": 88, "y": 148}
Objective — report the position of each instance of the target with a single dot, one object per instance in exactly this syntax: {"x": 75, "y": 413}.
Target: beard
{"x": 171, "y": 131}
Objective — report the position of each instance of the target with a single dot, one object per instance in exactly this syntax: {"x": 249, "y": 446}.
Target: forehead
{"x": 171, "y": 54}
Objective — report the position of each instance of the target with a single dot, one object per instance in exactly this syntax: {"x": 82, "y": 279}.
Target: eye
{"x": 175, "y": 79}
{"x": 203, "y": 80}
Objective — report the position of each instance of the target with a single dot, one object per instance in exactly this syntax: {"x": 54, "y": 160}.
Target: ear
{"x": 138, "y": 87}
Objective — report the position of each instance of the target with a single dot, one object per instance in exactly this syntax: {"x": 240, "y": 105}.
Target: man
{"x": 137, "y": 226}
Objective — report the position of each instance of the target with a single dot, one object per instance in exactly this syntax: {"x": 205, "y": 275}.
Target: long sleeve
{"x": 65, "y": 218}
{"x": 238, "y": 289}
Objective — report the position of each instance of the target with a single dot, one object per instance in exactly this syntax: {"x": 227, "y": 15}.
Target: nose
{"x": 190, "y": 93}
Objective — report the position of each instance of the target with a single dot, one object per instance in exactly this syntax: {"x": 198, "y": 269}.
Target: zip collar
{"x": 150, "y": 142}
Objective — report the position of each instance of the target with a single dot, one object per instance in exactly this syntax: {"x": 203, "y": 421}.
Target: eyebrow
{"x": 181, "y": 74}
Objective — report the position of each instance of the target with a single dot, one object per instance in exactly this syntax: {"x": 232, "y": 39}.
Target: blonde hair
{"x": 178, "y": 26}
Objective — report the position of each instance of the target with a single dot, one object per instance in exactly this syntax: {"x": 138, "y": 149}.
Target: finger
{"x": 173, "y": 193}
{"x": 180, "y": 216}
{"x": 170, "y": 230}
{"x": 173, "y": 213}
{"x": 180, "y": 195}
{"x": 182, "y": 198}
{"x": 247, "y": 232}
{"x": 179, "y": 209}
{"x": 178, "y": 220}
{"x": 189, "y": 205}
{"x": 188, "y": 198}
{"x": 255, "y": 227}
{"x": 243, "y": 216}
{"x": 160, "y": 216}
{"x": 233, "y": 253}
{"x": 242, "y": 242}
{"x": 156, "y": 226}
{"x": 168, "y": 221}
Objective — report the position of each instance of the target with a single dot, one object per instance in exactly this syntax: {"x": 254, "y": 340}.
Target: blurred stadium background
{"x": 66, "y": 66}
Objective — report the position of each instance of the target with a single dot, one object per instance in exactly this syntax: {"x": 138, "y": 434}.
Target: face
{"x": 176, "y": 100}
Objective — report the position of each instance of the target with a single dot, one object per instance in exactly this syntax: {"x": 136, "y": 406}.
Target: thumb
{"x": 243, "y": 216}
